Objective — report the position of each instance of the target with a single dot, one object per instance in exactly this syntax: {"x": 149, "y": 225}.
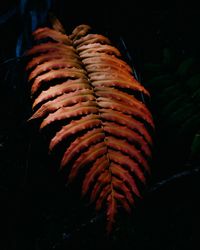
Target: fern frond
{"x": 128, "y": 134}
{"x": 107, "y": 60}
{"x": 51, "y": 46}
{"x": 127, "y": 121}
{"x": 55, "y": 64}
{"x": 91, "y": 38}
{"x": 81, "y": 143}
{"x": 50, "y": 57}
{"x": 128, "y": 84}
{"x": 123, "y": 97}
{"x": 87, "y": 122}
{"x": 64, "y": 100}
{"x": 45, "y": 32}
{"x": 86, "y": 51}
{"x": 68, "y": 86}
{"x": 82, "y": 80}
{"x": 97, "y": 168}
{"x": 81, "y": 108}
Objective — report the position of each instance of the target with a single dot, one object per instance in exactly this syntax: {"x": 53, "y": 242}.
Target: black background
{"x": 35, "y": 210}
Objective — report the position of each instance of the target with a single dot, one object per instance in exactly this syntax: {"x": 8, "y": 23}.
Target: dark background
{"x": 36, "y": 211}
{"x": 147, "y": 27}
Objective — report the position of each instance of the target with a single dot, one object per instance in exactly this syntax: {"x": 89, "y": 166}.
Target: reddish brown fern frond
{"x": 83, "y": 81}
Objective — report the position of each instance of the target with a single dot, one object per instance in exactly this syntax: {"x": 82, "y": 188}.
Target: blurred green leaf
{"x": 160, "y": 81}
{"x": 195, "y": 147}
{"x": 196, "y": 94}
{"x": 167, "y": 56}
{"x": 194, "y": 83}
{"x": 191, "y": 125}
{"x": 176, "y": 100}
{"x": 174, "y": 105}
{"x": 185, "y": 66}
{"x": 170, "y": 92}
{"x": 152, "y": 67}
{"x": 182, "y": 114}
